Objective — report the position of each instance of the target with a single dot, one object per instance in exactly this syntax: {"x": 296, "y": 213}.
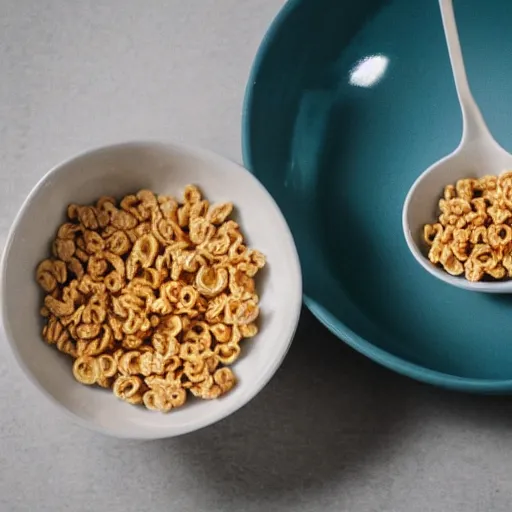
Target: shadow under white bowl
{"x": 164, "y": 168}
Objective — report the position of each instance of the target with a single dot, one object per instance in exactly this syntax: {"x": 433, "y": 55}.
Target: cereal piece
{"x": 64, "y": 249}
{"x": 211, "y": 281}
{"x": 219, "y": 213}
{"x": 225, "y": 379}
{"x": 86, "y": 370}
{"x": 50, "y": 273}
{"x": 449, "y": 192}
{"x": 143, "y": 254}
{"x": 499, "y": 213}
{"x": 107, "y": 365}
{"x": 450, "y": 263}
{"x": 453, "y": 212}
{"x": 473, "y": 271}
{"x": 59, "y": 308}
{"x": 499, "y": 235}
{"x": 227, "y": 353}
{"x": 129, "y": 389}
{"x": 431, "y": 232}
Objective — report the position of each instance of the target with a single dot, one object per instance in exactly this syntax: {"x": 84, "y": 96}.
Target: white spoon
{"x": 478, "y": 154}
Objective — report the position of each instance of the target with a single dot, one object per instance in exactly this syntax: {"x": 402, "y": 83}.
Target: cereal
{"x": 151, "y": 297}
{"x": 473, "y": 235}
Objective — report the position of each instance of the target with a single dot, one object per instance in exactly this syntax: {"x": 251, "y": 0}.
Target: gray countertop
{"x": 332, "y": 431}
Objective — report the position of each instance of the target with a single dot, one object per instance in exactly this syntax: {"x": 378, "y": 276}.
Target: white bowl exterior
{"x": 166, "y": 169}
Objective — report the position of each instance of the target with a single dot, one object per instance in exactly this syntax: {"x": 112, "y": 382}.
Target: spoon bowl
{"x": 477, "y": 155}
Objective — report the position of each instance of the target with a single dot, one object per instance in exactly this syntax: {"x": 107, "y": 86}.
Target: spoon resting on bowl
{"x": 477, "y": 155}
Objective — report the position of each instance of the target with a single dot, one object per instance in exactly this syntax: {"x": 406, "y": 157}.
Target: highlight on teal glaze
{"x": 347, "y": 102}
{"x": 368, "y": 71}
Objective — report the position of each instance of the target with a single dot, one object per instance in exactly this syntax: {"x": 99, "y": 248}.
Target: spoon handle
{"x": 473, "y": 124}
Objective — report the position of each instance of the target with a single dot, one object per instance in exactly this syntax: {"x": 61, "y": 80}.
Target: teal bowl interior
{"x": 348, "y": 102}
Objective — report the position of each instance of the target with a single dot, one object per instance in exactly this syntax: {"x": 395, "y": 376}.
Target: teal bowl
{"x": 347, "y": 103}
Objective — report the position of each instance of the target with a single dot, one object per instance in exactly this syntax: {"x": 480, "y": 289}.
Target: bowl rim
{"x": 333, "y": 324}
{"x": 224, "y": 412}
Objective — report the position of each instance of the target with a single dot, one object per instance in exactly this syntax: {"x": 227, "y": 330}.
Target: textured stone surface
{"x": 332, "y": 431}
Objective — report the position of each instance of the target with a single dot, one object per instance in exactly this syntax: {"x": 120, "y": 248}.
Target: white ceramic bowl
{"x": 165, "y": 169}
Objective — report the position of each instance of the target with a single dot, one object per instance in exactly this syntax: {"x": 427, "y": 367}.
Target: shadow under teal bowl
{"x": 347, "y": 103}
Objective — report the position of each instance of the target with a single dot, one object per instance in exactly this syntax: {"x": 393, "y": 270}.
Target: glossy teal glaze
{"x": 339, "y": 159}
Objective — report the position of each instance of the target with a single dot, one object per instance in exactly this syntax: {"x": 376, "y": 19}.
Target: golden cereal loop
{"x": 67, "y": 346}
{"x": 240, "y": 284}
{"x": 507, "y": 263}
{"x": 241, "y": 312}
{"x": 498, "y": 272}
{"x": 93, "y": 242}
{"x": 219, "y": 213}
{"x": 165, "y": 344}
{"x": 168, "y": 207}
{"x": 248, "y": 330}
{"x": 450, "y": 263}
{"x": 98, "y": 345}
{"x": 483, "y": 255}
{"x": 227, "y": 353}
{"x": 143, "y": 254}
{"x": 218, "y": 245}
{"x": 153, "y": 277}
{"x": 191, "y": 194}
{"x": 75, "y": 267}
{"x": 107, "y": 365}
{"x": 129, "y": 388}
{"x": 89, "y": 287}
{"x": 221, "y": 332}
{"x": 499, "y": 213}
{"x": 128, "y": 363}
{"x": 64, "y": 249}
{"x": 236, "y": 334}
{"x": 225, "y": 378}
{"x": 86, "y": 370}
{"x": 207, "y": 390}
{"x": 156, "y": 400}
{"x": 114, "y": 282}
{"x": 151, "y": 363}
{"x": 499, "y": 235}
{"x": 176, "y": 396}
{"x": 161, "y": 306}
{"x": 53, "y": 330}
{"x": 173, "y": 363}
{"x": 97, "y": 267}
{"x": 183, "y": 215}
{"x": 211, "y": 281}
{"x": 431, "y": 232}
{"x": 215, "y": 311}
{"x": 49, "y": 273}
{"x": 59, "y": 308}
{"x": 449, "y": 192}
{"x": 68, "y": 231}
{"x": 200, "y": 230}
{"x": 133, "y": 323}
{"x": 84, "y": 214}
{"x": 132, "y": 342}
{"x": 88, "y": 331}
{"x": 188, "y": 297}
{"x": 466, "y": 188}
{"x": 171, "y": 325}
{"x": 118, "y": 243}
{"x": 473, "y": 271}
{"x": 95, "y": 310}
{"x": 123, "y": 220}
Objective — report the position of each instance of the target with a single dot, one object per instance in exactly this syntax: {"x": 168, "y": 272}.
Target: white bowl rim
{"x": 296, "y": 294}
